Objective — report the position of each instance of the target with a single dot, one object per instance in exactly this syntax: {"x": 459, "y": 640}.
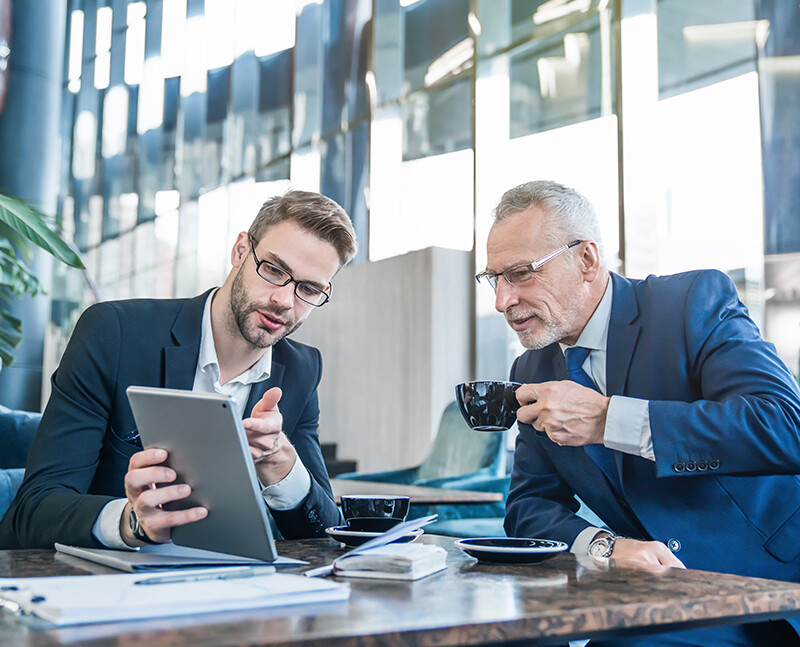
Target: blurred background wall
{"x": 679, "y": 119}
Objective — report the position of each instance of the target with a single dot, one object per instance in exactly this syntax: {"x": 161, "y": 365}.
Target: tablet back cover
{"x": 208, "y": 450}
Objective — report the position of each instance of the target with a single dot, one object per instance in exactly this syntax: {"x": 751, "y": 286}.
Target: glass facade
{"x": 674, "y": 117}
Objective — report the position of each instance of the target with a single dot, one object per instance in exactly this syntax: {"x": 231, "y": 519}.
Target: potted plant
{"x": 22, "y": 228}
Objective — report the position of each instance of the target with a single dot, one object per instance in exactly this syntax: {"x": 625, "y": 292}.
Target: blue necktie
{"x": 601, "y": 455}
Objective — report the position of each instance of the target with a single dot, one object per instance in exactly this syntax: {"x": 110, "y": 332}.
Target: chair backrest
{"x": 17, "y": 429}
{"x": 459, "y": 450}
{"x": 10, "y": 480}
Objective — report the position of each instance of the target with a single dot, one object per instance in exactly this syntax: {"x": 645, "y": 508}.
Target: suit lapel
{"x": 260, "y": 388}
{"x": 622, "y": 335}
{"x": 180, "y": 360}
{"x": 621, "y": 342}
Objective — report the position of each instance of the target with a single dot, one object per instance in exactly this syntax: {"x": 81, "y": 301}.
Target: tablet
{"x": 208, "y": 449}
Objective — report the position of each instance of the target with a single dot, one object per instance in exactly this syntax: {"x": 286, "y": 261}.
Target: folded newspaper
{"x": 393, "y": 562}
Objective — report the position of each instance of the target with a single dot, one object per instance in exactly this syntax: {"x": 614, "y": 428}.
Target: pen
{"x": 230, "y": 574}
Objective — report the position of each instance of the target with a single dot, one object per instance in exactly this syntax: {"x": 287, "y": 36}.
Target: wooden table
{"x": 418, "y": 494}
{"x": 468, "y": 604}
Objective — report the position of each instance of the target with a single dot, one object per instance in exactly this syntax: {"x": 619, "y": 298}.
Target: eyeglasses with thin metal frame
{"x": 303, "y": 290}
{"x": 519, "y": 274}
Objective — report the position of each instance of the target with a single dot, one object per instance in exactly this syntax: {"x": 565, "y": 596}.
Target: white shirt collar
{"x": 207, "y": 359}
{"x": 595, "y": 334}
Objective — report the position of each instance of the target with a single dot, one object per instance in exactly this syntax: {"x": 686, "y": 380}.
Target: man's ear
{"x": 590, "y": 260}
{"x": 241, "y": 248}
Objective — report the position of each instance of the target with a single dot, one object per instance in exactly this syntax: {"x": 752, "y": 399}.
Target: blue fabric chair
{"x": 458, "y": 452}
{"x": 17, "y": 429}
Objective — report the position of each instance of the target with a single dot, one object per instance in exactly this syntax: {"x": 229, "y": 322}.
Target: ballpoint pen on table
{"x": 227, "y": 574}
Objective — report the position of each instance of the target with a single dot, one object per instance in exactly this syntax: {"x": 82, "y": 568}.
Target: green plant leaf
{"x": 6, "y": 356}
{"x": 33, "y": 225}
{"x": 10, "y": 336}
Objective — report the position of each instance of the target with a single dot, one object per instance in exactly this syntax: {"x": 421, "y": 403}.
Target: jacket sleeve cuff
{"x": 106, "y": 527}
{"x": 291, "y": 491}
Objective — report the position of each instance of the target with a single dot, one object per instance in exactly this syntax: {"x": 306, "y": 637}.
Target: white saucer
{"x": 349, "y": 537}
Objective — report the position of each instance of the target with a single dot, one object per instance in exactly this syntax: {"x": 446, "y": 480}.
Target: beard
{"x": 551, "y": 327}
{"x": 241, "y": 317}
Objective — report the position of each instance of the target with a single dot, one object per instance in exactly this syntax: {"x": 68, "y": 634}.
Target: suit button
{"x": 713, "y": 464}
{"x": 674, "y": 545}
{"x": 691, "y": 466}
{"x": 679, "y": 466}
{"x": 702, "y": 466}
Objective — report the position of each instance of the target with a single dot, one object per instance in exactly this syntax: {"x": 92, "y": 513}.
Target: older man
{"x": 89, "y": 483}
{"x": 655, "y": 401}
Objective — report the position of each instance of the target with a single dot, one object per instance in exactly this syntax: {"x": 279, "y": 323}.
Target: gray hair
{"x": 571, "y": 216}
{"x": 313, "y": 212}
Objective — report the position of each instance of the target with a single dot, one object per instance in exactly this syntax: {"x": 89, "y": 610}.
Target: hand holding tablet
{"x": 207, "y": 450}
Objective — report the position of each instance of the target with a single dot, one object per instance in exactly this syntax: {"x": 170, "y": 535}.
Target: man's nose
{"x": 505, "y": 295}
{"x": 284, "y": 295}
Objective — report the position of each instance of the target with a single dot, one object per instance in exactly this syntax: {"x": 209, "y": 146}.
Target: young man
{"x": 656, "y": 402}
{"x": 87, "y": 480}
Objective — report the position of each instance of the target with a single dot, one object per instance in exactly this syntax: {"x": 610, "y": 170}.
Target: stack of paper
{"x": 103, "y": 598}
{"x": 393, "y": 561}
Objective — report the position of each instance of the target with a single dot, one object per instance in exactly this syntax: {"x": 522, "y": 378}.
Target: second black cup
{"x": 374, "y": 513}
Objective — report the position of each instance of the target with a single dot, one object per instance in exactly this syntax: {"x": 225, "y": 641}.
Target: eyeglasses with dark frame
{"x": 303, "y": 290}
{"x": 522, "y": 273}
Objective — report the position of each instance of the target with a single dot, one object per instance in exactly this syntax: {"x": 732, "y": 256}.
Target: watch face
{"x": 599, "y": 547}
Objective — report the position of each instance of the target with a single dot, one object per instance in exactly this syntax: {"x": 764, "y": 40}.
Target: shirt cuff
{"x": 581, "y": 544}
{"x": 291, "y": 491}
{"x": 628, "y": 427}
{"x": 106, "y": 527}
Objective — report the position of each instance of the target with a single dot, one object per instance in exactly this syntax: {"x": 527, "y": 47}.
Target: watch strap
{"x": 136, "y": 528}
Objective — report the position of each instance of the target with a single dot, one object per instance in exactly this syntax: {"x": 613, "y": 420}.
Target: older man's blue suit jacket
{"x": 80, "y": 456}
{"x": 725, "y": 421}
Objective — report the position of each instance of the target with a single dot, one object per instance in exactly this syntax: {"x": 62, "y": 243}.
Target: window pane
{"x": 432, "y": 28}
{"x": 438, "y": 121}
{"x": 700, "y": 43}
{"x": 557, "y": 81}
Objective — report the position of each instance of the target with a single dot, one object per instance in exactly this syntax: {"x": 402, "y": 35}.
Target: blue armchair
{"x": 17, "y": 429}
{"x": 458, "y": 452}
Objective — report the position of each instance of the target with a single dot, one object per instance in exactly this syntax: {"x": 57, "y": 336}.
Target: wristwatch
{"x": 602, "y": 546}
{"x": 136, "y": 528}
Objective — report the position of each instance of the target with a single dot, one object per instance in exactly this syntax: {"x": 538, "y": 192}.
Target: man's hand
{"x": 144, "y": 473}
{"x": 644, "y": 552}
{"x": 570, "y": 414}
{"x": 271, "y": 450}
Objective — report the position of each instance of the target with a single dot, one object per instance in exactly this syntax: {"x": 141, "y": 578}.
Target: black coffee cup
{"x": 488, "y": 405}
{"x": 373, "y": 512}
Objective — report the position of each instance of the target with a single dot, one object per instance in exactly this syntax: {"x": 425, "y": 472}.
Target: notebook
{"x": 82, "y": 599}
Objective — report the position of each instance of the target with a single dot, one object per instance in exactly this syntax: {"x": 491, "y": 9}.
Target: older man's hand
{"x": 570, "y": 414}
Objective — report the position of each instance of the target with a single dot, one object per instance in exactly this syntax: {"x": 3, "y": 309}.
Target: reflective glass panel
{"x": 557, "y": 80}
{"x": 438, "y": 120}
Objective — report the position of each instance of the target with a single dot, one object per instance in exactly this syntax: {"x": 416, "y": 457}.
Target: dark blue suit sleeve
{"x": 540, "y": 503}
{"x": 53, "y": 503}
{"x": 747, "y": 418}
{"x": 318, "y": 510}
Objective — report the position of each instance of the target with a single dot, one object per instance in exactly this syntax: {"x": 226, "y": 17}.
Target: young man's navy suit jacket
{"x": 80, "y": 454}
{"x": 724, "y": 491}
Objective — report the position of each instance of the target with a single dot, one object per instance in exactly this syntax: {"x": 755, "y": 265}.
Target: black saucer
{"x": 511, "y": 550}
{"x": 350, "y": 537}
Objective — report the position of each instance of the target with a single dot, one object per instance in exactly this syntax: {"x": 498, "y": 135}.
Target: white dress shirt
{"x": 285, "y": 495}
{"x": 628, "y": 419}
